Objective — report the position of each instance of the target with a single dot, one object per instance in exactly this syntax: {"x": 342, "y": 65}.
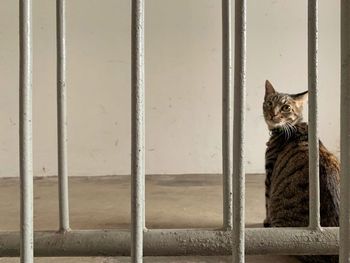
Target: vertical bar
{"x": 25, "y": 130}
{"x": 62, "y": 115}
{"x": 226, "y": 113}
{"x": 344, "y": 254}
{"x": 238, "y": 131}
{"x": 314, "y": 185}
{"x": 138, "y": 131}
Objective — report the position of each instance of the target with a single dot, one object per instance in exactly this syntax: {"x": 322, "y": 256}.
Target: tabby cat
{"x": 287, "y": 168}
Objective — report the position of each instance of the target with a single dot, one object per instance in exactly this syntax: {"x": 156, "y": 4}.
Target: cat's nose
{"x": 276, "y": 118}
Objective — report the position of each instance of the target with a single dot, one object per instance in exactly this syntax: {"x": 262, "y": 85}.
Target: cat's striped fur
{"x": 287, "y": 169}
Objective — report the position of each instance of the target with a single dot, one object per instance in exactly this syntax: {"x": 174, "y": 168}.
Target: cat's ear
{"x": 269, "y": 88}
{"x": 300, "y": 98}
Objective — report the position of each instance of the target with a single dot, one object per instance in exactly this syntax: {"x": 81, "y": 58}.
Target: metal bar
{"x": 238, "y": 132}
{"x": 314, "y": 185}
{"x": 62, "y": 116}
{"x": 344, "y": 254}
{"x": 176, "y": 242}
{"x": 25, "y": 130}
{"x": 226, "y": 113}
{"x": 138, "y": 132}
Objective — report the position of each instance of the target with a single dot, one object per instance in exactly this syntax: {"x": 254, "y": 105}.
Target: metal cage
{"x": 233, "y": 238}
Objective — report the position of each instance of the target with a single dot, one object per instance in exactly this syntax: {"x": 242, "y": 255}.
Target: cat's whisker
{"x": 291, "y": 128}
{"x": 286, "y": 132}
{"x": 289, "y": 132}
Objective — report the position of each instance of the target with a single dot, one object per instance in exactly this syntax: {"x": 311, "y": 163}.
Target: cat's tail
{"x": 319, "y": 259}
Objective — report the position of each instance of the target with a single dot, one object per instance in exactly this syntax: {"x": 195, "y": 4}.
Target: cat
{"x": 287, "y": 168}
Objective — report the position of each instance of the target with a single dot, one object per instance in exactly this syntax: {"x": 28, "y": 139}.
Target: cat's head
{"x": 281, "y": 109}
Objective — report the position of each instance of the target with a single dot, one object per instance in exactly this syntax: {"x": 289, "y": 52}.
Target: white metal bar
{"x": 177, "y": 242}
{"x": 344, "y": 254}
{"x": 227, "y": 113}
{"x": 314, "y": 185}
{"x": 62, "y": 115}
{"x": 238, "y": 131}
{"x": 25, "y": 130}
{"x": 138, "y": 132}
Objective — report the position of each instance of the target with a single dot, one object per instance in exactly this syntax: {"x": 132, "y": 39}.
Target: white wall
{"x": 183, "y": 82}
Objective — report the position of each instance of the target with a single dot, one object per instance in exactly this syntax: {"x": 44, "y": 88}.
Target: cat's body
{"x": 287, "y": 181}
{"x": 287, "y": 169}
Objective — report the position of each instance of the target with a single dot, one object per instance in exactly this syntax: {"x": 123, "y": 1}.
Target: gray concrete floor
{"x": 183, "y": 201}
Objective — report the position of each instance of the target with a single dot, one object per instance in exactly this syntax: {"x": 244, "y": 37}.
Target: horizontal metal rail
{"x": 176, "y": 242}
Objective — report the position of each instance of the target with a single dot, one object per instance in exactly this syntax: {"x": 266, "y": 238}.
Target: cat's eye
{"x": 268, "y": 103}
{"x": 286, "y": 108}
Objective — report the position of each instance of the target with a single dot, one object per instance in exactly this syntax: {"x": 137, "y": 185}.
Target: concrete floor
{"x": 183, "y": 201}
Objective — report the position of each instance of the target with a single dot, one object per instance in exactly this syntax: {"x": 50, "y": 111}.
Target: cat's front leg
{"x": 267, "y": 220}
